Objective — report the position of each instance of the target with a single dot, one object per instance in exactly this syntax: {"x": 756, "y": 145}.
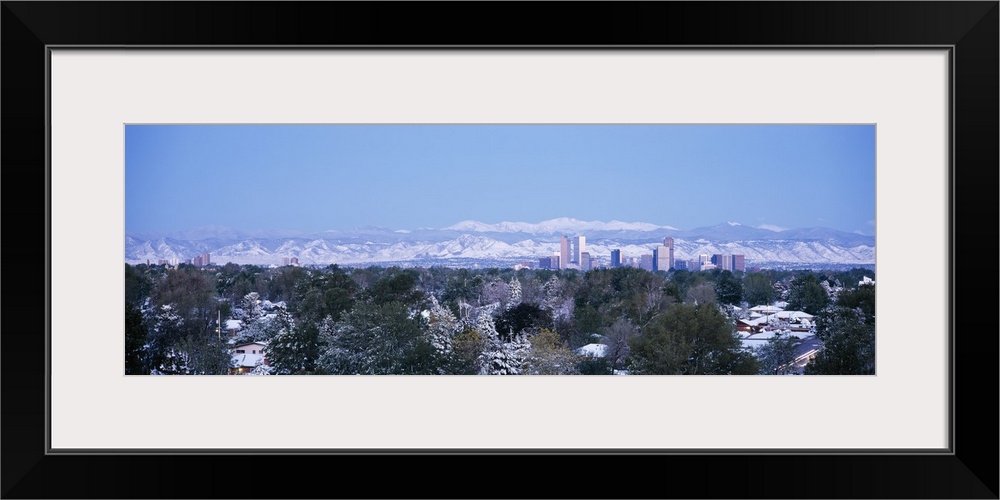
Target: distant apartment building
{"x": 585, "y": 263}
{"x": 285, "y": 261}
{"x": 206, "y": 259}
{"x": 197, "y": 260}
{"x": 616, "y": 258}
{"x": 295, "y": 261}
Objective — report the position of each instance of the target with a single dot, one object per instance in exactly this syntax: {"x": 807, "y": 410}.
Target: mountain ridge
{"x": 505, "y": 241}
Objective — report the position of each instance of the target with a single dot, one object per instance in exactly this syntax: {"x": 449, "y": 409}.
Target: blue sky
{"x": 319, "y": 177}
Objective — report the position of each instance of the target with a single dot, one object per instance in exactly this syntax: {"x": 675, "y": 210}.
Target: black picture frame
{"x": 969, "y": 28}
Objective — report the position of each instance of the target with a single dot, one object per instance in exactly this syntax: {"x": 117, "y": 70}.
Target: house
{"x": 233, "y": 326}
{"x": 246, "y": 357}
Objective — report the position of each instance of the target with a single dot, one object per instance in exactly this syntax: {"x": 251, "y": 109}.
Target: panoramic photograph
{"x": 470, "y": 249}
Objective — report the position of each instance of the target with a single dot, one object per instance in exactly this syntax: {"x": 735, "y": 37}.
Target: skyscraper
{"x": 661, "y": 258}
{"x": 585, "y": 263}
{"x": 739, "y": 262}
{"x": 564, "y": 252}
{"x": 646, "y": 262}
{"x": 579, "y": 246}
{"x": 669, "y": 243}
{"x": 616, "y": 258}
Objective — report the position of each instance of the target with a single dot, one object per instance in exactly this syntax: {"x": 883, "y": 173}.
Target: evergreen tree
{"x": 135, "y": 341}
{"x": 378, "y": 339}
{"x": 251, "y": 310}
{"x": 807, "y": 294}
{"x": 758, "y": 289}
{"x": 295, "y": 348}
{"x": 690, "y": 340}
{"x": 776, "y": 357}
{"x": 848, "y": 343}
{"x": 441, "y": 326}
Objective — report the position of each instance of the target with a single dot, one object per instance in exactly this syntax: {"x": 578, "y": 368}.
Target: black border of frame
{"x": 971, "y": 28}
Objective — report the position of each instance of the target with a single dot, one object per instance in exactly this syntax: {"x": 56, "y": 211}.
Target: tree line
{"x": 437, "y": 320}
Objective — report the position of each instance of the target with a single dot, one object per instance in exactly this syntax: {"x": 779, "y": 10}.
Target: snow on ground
{"x": 593, "y": 350}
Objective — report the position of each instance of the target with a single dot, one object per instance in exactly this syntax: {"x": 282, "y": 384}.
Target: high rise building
{"x": 585, "y": 261}
{"x": 550, "y": 262}
{"x": 646, "y": 262}
{"x": 669, "y": 243}
{"x": 661, "y": 258}
{"x": 616, "y": 258}
{"x": 739, "y": 263}
{"x": 563, "y": 252}
{"x": 284, "y": 261}
{"x": 579, "y": 247}
{"x": 295, "y": 261}
{"x": 206, "y": 259}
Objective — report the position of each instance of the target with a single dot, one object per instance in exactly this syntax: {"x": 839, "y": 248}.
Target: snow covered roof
{"x": 233, "y": 324}
{"x": 260, "y": 343}
{"x": 247, "y": 360}
{"x": 771, "y": 334}
{"x": 772, "y": 308}
{"x": 593, "y": 350}
{"x": 792, "y": 315}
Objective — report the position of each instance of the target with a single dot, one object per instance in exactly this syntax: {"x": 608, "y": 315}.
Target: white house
{"x": 246, "y": 357}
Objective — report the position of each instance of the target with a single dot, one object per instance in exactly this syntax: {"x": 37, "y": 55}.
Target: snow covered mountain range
{"x": 501, "y": 242}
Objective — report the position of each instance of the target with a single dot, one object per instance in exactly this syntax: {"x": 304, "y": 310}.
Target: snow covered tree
{"x": 514, "y": 289}
{"x": 166, "y": 331}
{"x": 295, "y": 348}
{"x": 493, "y": 291}
{"x": 250, "y": 308}
{"x": 502, "y": 356}
{"x": 442, "y": 326}
{"x": 378, "y": 339}
{"x": 552, "y": 291}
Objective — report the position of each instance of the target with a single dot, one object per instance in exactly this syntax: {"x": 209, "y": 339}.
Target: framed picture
{"x": 922, "y": 76}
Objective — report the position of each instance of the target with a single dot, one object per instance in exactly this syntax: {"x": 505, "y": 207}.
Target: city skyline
{"x": 312, "y": 178}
